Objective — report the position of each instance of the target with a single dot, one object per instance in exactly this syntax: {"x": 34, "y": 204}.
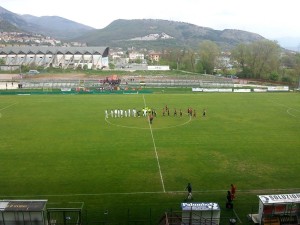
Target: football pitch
{"x": 63, "y": 149}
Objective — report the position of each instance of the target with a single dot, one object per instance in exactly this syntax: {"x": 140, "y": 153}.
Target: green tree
{"x": 289, "y": 60}
{"x": 265, "y": 58}
{"x": 111, "y": 66}
{"x": 192, "y": 61}
{"x": 258, "y": 59}
{"x": 187, "y": 61}
{"x": 297, "y": 69}
{"x": 199, "y": 67}
{"x": 208, "y": 54}
{"x": 2, "y": 61}
{"x": 274, "y": 76}
{"x": 180, "y": 54}
{"x": 173, "y": 58}
{"x": 239, "y": 58}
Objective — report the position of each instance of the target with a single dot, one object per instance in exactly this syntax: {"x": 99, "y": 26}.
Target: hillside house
{"x": 154, "y": 56}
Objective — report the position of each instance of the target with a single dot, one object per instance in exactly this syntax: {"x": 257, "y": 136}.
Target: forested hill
{"x": 53, "y": 26}
{"x": 140, "y": 33}
{"x": 151, "y": 33}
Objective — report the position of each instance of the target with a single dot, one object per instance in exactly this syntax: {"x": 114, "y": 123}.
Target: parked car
{"x": 33, "y": 72}
{"x": 232, "y": 76}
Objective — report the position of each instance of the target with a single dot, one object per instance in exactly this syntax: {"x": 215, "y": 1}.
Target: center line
{"x": 161, "y": 177}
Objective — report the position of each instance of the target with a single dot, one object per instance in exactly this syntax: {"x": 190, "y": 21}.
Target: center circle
{"x": 143, "y": 123}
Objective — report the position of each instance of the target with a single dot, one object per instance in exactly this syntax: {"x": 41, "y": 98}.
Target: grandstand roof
{"x": 55, "y": 50}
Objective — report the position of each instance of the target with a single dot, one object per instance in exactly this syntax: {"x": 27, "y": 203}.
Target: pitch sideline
{"x": 257, "y": 191}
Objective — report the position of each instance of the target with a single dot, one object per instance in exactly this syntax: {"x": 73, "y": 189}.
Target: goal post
{"x": 65, "y": 216}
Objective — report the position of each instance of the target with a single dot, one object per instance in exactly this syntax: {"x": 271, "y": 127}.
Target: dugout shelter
{"x": 23, "y": 212}
{"x": 279, "y": 209}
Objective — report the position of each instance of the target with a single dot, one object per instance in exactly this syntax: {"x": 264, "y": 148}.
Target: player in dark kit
{"x": 189, "y": 189}
{"x": 204, "y": 113}
{"x": 151, "y": 118}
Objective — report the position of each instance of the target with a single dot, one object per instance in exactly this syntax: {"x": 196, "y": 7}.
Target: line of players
{"x": 191, "y": 112}
{"x": 120, "y": 113}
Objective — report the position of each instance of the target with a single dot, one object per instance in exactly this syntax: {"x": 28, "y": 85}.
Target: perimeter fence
{"x": 128, "y": 83}
{"x": 150, "y": 216}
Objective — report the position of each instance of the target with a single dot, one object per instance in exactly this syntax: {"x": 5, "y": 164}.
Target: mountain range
{"x": 140, "y": 33}
{"x": 146, "y": 33}
{"x": 53, "y": 26}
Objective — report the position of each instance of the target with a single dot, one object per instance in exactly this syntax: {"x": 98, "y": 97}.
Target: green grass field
{"x": 61, "y": 148}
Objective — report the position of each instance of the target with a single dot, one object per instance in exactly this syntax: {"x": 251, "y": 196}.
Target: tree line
{"x": 263, "y": 60}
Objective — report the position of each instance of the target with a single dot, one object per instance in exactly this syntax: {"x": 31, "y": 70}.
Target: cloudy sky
{"x": 272, "y": 19}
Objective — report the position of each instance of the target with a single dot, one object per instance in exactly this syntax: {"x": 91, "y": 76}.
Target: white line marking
{"x": 288, "y": 112}
{"x": 288, "y": 109}
{"x": 262, "y": 191}
{"x": 146, "y": 128}
{"x": 237, "y": 216}
{"x": 131, "y": 127}
{"x": 8, "y": 106}
{"x": 161, "y": 177}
